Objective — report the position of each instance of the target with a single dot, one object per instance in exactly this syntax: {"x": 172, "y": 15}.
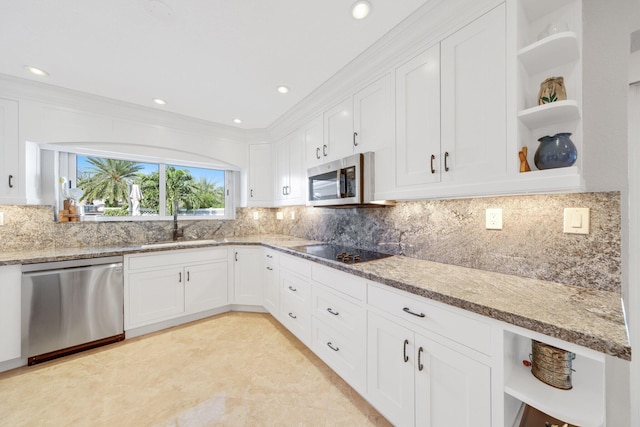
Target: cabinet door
{"x": 155, "y": 295}
{"x": 297, "y": 174}
{"x": 418, "y": 119}
{"x": 451, "y": 388}
{"x": 474, "y": 99}
{"x": 205, "y": 286}
{"x": 338, "y": 131}
{"x": 372, "y": 119}
{"x": 272, "y": 290}
{"x": 249, "y": 279}
{"x": 282, "y": 168}
{"x": 390, "y": 370}
{"x": 10, "y": 184}
{"x": 260, "y": 175}
{"x": 10, "y": 303}
{"x": 312, "y": 136}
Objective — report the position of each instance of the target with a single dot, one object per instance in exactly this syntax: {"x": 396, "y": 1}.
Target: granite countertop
{"x": 588, "y": 317}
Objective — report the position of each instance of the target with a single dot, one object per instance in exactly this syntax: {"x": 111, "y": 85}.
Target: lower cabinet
{"x": 295, "y": 304}
{"x": 248, "y": 279}
{"x": 171, "y": 284}
{"x": 414, "y": 380}
{"x": 10, "y": 303}
{"x": 271, "y": 285}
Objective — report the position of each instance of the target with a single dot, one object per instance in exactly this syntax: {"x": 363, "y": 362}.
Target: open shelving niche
{"x": 583, "y": 405}
{"x": 554, "y": 55}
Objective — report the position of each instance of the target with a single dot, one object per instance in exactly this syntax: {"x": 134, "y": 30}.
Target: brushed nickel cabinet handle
{"x": 180, "y": 277}
{"x": 446, "y": 157}
{"x": 324, "y": 150}
{"x": 188, "y": 276}
{"x": 432, "y": 159}
{"x": 332, "y": 312}
{"x": 318, "y": 153}
{"x": 407, "y": 310}
{"x": 404, "y": 350}
{"x": 293, "y": 316}
{"x": 269, "y": 268}
{"x": 355, "y": 143}
{"x": 292, "y": 289}
{"x": 10, "y": 181}
{"x": 420, "y": 365}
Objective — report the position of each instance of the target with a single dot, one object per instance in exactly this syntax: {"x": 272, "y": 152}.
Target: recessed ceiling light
{"x": 36, "y": 71}
{"x": 283, "y": 89}
{"x": 237, "y": 121}
{"x": 159, "y": 101}
{"x": 361, "y": 9}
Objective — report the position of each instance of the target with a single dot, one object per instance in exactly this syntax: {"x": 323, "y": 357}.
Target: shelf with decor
{"x": 548, "y": 114}
{"x": 583, "y": 404}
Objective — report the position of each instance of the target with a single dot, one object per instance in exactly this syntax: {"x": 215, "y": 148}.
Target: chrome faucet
{"x": 177, "y": 232}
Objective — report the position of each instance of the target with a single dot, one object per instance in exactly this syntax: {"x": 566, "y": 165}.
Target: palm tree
{"x": 108, "y": 179}
{"x": 209, "y": 194}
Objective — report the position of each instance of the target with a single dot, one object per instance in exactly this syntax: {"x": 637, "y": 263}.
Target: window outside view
{"x": 114, "y": 187}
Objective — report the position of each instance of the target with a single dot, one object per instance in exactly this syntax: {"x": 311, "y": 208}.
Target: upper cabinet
{"x": 338, "y": 130}
{"x": 260, "y": 175}
{"x": 451, "y": 114}
{"x": 313, "y": 137}
{"x": 373, "y": 116}
{"x": 290, "y": 175}
{"x": 11, "y": 188}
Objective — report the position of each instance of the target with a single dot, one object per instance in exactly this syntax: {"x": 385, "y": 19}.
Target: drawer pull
{"x": 269, "y": 256}
{"x": 292, "y": 289}
{"x": 420, "y": 365}
{"x": 407, "y": 310}
{"x": 293, "y": 316}
{"x": 332, "y": 312}
{"x": 404, "y": 350}
{"x": 332, "y": 347}
{"x": 269, "y": 268}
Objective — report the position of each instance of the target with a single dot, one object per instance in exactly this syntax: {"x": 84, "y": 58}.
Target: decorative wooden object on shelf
{"x": 532, "y": 417}
{"x": 524, "y": 165}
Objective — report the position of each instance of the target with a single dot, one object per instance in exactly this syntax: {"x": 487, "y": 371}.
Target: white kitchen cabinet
{"x": 418, "y": 119}
{"x": 451, "y": 119}
{"x": 414, "y": 380}
{"x": 271, "y": 283}
{"x": 260, "y": 175}
{"x": 473, "y": 103}
{"x": 167, "y": 285}
{"x": 373, "y": 116}
{"x": 11, "y": 186}
{"x": 295, "y": 296}
{"x": 338, "y": 131}
{"x": 313, "y": 139}
{"x": 290, "y": 174}
{"x": 248, "y": 277}
{"x": 10, "y": 312}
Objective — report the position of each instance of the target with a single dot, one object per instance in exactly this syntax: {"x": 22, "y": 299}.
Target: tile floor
{"x": 235, "y": 369}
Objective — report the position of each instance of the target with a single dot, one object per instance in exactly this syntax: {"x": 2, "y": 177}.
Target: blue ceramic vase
{"x": 555, "y": 151}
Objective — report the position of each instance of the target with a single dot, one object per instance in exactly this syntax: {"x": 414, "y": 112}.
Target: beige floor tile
{"x": 236, "y": 369}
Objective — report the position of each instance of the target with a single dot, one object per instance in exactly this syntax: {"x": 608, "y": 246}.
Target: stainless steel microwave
{"x": 344, "y": 182}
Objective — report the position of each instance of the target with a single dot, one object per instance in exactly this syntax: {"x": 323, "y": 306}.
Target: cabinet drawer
{"x": 337, "y": 311}
{"x": 468, "y": 331}
{"x": 340, "y": 281}
{"x": 296, "y": 316}
{"x": 271, "y": 256}
{"x": 181, "y": 256}
{"x": 295, "y": 286}
{"x": 345, "y": 355}
{"x": 295, "y": 264}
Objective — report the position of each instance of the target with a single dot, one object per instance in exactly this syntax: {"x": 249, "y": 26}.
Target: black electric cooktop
{"x": 341, "y": 253}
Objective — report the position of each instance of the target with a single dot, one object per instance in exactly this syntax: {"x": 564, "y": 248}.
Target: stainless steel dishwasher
{"x": 71, "y": 306}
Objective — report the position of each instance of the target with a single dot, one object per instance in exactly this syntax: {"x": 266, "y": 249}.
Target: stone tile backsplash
{"x": 531, "y": 243}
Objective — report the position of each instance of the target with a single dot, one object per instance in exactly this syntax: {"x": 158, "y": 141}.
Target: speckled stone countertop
{"x": 588, "y": 317}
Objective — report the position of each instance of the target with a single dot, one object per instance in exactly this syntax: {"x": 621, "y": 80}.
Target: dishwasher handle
{"x": 72, "y": 269}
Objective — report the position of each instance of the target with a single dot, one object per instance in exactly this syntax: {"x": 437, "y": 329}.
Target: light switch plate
{"x": 494, "y": 219}
{"x": 256, "y": 215}
{"x": 1, "y": 218}
{"x": 576, "y": 220}
{"x": 279, "y": 215}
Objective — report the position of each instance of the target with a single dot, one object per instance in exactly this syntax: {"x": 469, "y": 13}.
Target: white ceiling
{"x": 210, "y": 59}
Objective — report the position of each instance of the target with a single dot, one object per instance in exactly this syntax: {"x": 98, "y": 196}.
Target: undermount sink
{"x": 178, "y": 243}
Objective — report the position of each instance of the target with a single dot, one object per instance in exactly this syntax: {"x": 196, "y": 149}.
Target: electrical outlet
{"x": 494, "y": 219}
{"x": 1, "y": 218}
{"x": 256, "y": 215}
{"x": 279, "y": 215}
{"x": 293, "y": 215}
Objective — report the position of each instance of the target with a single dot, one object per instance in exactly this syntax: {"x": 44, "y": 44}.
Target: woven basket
{"x": 552, "y": 365}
